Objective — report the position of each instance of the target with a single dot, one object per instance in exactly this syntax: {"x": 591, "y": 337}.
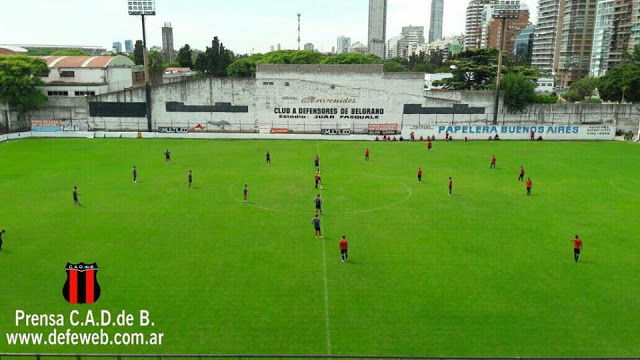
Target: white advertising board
{"x": 513, "y": 132}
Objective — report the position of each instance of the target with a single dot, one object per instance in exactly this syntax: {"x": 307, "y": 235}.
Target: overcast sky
{"x": 242, "y": 25}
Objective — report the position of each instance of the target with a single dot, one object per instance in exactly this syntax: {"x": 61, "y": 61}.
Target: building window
{"x": 286, "y": 83}
{"x": 268, "y": 83}
{"x": 58, "y": 93}
{"x": 85, "y": 93}
{"x": 67, "y": 74}
{"x": 332, "y": 87}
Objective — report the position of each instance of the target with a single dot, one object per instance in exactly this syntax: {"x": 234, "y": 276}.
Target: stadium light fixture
{"x": 502, "y": 10}
{"x": 144, "y": 8}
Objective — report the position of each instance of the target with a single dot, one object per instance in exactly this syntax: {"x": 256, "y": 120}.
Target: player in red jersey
{"x": 493, "y": 162}
{"x": 366, "y": 154}
{"x": 450, "y": 185}
{"x": 529, "y": 185}
{"x": 429, "y": 145}
{"x": 577, "y": 247}
{"x": 521, "y": 177}
{"x": 343, "y": 249}
{"x": 316, "y": 177}
{"x": 420, "y": 175}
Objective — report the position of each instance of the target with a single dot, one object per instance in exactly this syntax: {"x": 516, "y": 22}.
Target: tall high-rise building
{"x": 411, "y": 37}
{"x": 272, "y": 48}
{"x": 117, "y": 47}
{"x": 601, "y": 37}
{"x": 278, "y": 47}
{"x": 524, "y": 45}
{"x": 544, "y": 37}
{"x": 343, "y": 45}
{"x": 491, "y": 28}
{"x": 128, "y": 46}
{"x": 574, "y": 40}
{"x": 377, "y": 27}
{"x": 635, "y": 24}
{"x": 435, "y": 25}
{"x": 473, "y": 23}
{"x": 167, "y": 41}
{"x": 309, "y": 46}
{"x": 611, "y": 35}
{"x": 392, "y": 47}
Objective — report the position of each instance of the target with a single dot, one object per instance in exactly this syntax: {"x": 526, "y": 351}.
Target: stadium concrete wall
{"x": 311, "y": 99}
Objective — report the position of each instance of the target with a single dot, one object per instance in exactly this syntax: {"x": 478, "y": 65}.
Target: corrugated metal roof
{"x": 96, "y": 62}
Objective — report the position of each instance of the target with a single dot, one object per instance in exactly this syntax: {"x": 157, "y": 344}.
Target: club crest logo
{"x": 82, "y": 285}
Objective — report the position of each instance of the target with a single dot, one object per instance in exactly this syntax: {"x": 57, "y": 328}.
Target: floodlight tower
{"x": 502, "y": 10}
{"x": 144, "y": 8}
{"x": 299, "y": 30}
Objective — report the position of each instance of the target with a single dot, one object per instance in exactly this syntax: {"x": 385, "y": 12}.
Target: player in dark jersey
{"x": 316, "y": 178}
{"x": 366, "y": 154}
{"x": 1, "y": 232}
{"x": 316, "y": 226}
{"x": 245, "y": 193}
{"x": 134, "y": 172}
{"x": 167, "y": 156}
{"x": 529, "y": 185}
{"x": 493, "y": 162}
{"x": 521, "y": 177}
{"x": 450, "y": 185}
{"x": 318, "y": 202}
{"x": 344, "y": 249}
{"x": 76, "y": 196}
{"x": 316, "y": 162}
{"x": 268, "y": 158}
{"x": 429, "y": 145}
{"x": 577, "y": 247}
{"x": 420, "y": 175}
{"x": 190, "y": 179}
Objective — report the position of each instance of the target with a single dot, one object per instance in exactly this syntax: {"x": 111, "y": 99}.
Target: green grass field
{"x": 486, "y": 272}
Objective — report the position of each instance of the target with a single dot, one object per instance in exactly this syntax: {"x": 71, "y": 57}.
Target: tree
{"x": 622, "y": 83}
{"x": 185, "y": 56}
{"x": 70, "y": 52}
{"x": 138, "y": 53}
{"x": 215, "y": 60}
{"x": 201, "y": 62}
{"x": 156, "y": 67}
{"x": 581, "y": 89}
{"x": 475, "y": 69}
{"x": 519, "y": 91}
{"x": 20, "y": 81}
{"x": 392, "y": 66}
{"x": 351, "y": 58}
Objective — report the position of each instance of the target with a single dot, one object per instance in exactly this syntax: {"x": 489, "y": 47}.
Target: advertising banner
{"x": 279, "y": 131}
{"x": 383, "y": 128}
{"x": 167, "y": 129}
{"x": 46, "y": 125}
{"x": 335, "y": 131}
{"x": 514, "y": 132}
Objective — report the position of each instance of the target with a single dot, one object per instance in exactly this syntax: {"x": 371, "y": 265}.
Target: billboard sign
{"x": 46, "y": 125}
{"x": 514, "y": 132}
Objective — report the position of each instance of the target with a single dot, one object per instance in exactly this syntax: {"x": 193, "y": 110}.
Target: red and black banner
{"x": 82, "y": 284}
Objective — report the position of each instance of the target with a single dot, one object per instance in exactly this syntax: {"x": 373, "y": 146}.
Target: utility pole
{"x": 299, "y": 30}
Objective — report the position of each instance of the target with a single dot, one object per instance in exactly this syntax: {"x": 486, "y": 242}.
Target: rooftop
{"x": 97, "y": 62}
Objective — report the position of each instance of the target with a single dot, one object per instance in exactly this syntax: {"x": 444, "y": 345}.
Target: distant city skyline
{"x": 196, "y": 22}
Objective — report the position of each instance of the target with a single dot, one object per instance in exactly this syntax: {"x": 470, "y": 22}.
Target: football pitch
{"x": 488, "y": 271}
